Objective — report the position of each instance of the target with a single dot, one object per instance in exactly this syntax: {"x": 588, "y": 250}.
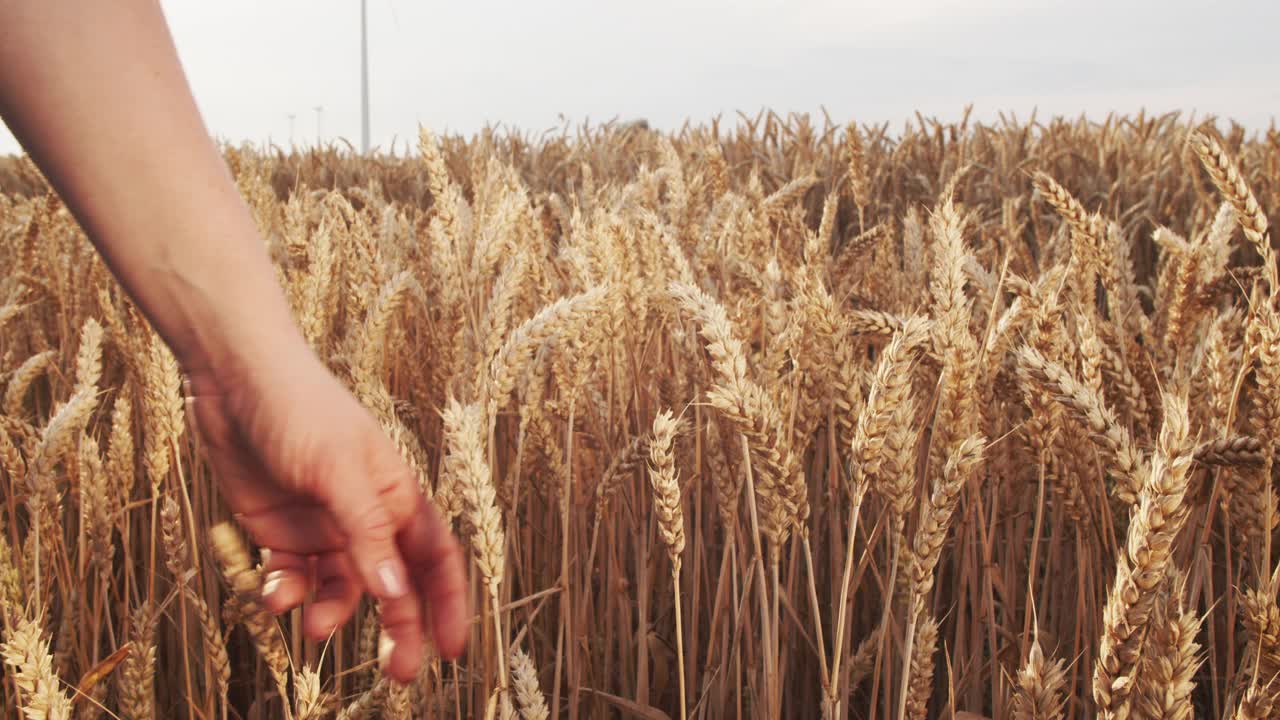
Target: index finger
{"x": 436, "y": 568}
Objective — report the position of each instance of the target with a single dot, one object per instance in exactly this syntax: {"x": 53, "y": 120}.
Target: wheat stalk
{"x": 1227, "y": 178}
{"x": 246, "y": 585}
{"x": 1159, "y": 517}
{"x": 666, "y": 496}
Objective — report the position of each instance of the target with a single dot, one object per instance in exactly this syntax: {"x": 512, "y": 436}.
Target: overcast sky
{"x": 458, "y": 65}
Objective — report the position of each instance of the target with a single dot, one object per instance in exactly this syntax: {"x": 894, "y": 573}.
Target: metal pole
{"x": 364, "y": 76}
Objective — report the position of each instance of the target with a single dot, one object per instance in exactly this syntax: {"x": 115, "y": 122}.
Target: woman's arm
{"x": 95, "y": 92}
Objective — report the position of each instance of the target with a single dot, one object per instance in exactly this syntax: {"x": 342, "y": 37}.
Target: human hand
{"x": 310, "y": 474}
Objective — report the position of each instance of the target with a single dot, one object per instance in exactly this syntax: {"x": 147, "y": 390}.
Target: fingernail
{"x": 393, "y": 582}
{"x": 265, "y": 555}
{"x": 386, "y": 646}
{"x": 272, "y": 583}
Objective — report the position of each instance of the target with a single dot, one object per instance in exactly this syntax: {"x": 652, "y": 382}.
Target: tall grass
{"x": 787, "y": 420}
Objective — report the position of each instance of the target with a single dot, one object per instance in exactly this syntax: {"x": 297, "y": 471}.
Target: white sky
{"x": 459, "y": 65}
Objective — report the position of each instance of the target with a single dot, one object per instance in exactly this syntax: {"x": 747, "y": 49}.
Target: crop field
{"x": 777, "y": 418}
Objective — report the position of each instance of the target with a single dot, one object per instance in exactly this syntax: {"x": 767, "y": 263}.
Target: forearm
{"x": 96, "y": 94}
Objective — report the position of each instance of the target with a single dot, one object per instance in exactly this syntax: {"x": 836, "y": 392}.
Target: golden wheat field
{"x": 788, "y": 419}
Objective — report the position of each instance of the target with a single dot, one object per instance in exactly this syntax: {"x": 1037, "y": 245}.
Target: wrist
{"x": 224, "y": 310}
{"x": 240, "y": 362}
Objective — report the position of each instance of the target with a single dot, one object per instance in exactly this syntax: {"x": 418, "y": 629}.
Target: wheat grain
{"x": 1040, "y": 684}
{"x": 27, "y": 654}
{"x": 524, "y": 680}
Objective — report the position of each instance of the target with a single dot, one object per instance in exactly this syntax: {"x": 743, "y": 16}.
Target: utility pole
{"x": 292, "y": 117}
{"x": 319, "y": 125}
{"x": 364, "y": 76}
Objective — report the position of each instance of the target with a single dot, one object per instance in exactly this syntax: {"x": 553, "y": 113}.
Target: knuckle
{"x": 375, "y": 524}
{"x": 382, "y": 459}
{"x": 390, "y": 476}
{"x": 400, "y": 615}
